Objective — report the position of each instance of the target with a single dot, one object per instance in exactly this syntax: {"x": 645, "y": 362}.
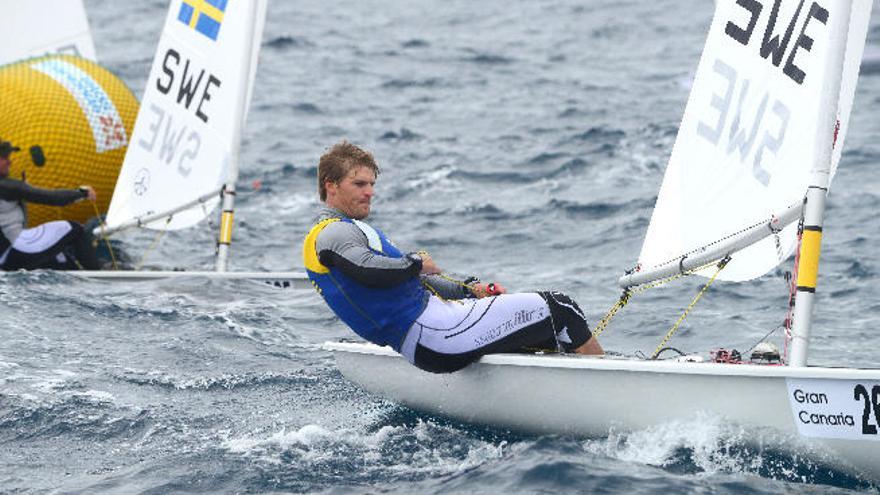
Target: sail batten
{"x": 187, "y": 135}
{"x": 747, "y": 145}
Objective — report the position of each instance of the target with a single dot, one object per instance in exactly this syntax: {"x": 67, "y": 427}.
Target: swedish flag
{"x": 205, "y": 16}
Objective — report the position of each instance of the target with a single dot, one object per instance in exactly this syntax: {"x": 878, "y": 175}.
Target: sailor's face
{"x": 4, "y": 166}
{"x": 352, "y": 195}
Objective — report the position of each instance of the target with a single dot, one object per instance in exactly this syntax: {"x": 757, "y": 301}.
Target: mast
{"x": 224, "y": 238}
{"x": 814, "y": 210}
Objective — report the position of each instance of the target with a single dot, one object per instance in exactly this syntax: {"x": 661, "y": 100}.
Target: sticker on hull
{"x": 845, "y": 409}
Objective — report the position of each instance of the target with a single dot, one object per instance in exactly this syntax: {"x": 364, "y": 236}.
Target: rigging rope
{"x": 603, "y": 323}
{"x": 161, "y": 233}
{"x": 104, "y": 236}
{"x": 630, "y": 291}
{"x": 721, "y": 265}
{"x": 792, "y": 291}
{"x": 472, "y": 284}
{"x": 469, "y": 287}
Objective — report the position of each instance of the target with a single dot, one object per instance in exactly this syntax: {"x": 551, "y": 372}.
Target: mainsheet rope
{"x": 104, "y": 235}
{"x": 470, "y": 287}
{"x": 721, "y": 265}
{"x": 629, "y": 292}
{"x": 155, "y": 243}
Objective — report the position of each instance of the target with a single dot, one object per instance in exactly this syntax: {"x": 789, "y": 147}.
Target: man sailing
{"x": 436, "y": 322}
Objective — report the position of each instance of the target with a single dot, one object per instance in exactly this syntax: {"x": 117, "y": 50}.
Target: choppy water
{"x": 521, "y": 141}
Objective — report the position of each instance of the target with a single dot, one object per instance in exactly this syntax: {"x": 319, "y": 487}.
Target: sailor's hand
{"x": 428, "y": 266}
{"x": 480, "y": 290}
{"x": 89, "y": 192}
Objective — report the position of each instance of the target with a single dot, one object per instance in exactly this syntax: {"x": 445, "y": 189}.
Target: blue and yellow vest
{"x": 379, "y": 315}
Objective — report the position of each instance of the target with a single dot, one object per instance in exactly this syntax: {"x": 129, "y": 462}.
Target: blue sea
{"x": 522, "y": 142}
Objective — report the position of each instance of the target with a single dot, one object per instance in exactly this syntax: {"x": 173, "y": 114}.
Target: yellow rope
{"x": 161, "y": 233}
{"x": 458, "y": 282}
{"x": 693, "y": 303}
{"x": 432, "y": 289}
{"x": 104, "y": 235}
{"x": 603, "y": 323}
{"x": 630, "y": 291}
{"x": 469, "y": 287}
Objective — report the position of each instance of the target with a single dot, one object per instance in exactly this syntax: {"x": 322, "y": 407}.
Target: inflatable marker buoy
{"x": 72, "y": 120}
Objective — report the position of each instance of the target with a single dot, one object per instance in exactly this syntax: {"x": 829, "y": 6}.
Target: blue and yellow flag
{"x": 205, "y": 16}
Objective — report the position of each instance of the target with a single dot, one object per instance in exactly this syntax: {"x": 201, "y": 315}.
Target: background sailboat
{"x": 765, "y": 122}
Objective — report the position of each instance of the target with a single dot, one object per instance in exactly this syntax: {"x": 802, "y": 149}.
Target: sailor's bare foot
{"x": 591, "y": 348}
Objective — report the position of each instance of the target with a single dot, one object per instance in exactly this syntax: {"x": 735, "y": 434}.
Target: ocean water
{"x": 523, "y": 142}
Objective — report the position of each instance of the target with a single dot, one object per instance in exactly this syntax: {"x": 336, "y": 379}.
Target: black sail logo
{"x": 785, "y": 40}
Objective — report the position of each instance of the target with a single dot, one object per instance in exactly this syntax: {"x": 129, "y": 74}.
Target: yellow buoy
{"x": 72, "y": 120}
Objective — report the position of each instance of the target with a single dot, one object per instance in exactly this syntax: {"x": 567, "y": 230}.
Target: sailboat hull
{"x": 590, "y": 397}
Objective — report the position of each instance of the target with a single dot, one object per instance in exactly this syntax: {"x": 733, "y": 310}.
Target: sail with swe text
{"x": 187, "y": 135}
{"x": 753, "y": 129}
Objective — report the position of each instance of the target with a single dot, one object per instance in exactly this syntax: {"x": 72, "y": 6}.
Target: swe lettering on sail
{"x": 743, "y": 116}
{"x": 188, "y": 86}
{"x": 171, "y": 143}
{"x": 774, "y": 45}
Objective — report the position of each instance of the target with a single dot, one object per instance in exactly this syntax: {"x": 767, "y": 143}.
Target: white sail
{"x": 855, "y": 51}
{"x": 746, "y": 146}
{"x": 257, "y": 41}
{"x": 32, "y": 29}
{"x": 186, "y": 135}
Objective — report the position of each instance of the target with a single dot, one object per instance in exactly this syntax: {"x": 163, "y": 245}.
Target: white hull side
{"x": 589, "y": 397}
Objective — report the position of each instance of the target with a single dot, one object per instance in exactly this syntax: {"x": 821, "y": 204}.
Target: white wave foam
{"x": 393, "y": 449}
{"x": 7, "y": 365}
{"x": 98, "y": 396}
{"x": 52, "y": 381}
{"x": 712, "y": 445}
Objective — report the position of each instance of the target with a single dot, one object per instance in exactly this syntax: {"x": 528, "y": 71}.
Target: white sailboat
{"x": 29, "y": 32}
{"x": 184, "y": 153}
{"x": 758, "y": 145}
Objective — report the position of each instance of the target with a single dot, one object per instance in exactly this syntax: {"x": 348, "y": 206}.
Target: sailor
{"x": 58, "y": 245}
{"x": 403, "y": 300}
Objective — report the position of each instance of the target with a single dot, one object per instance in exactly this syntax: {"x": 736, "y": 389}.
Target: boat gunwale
{"x": 575, "y": 362}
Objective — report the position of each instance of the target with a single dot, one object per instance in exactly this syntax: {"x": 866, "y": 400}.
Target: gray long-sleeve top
{"x": 345, "y": 246}
{"x": 13, "y": 194}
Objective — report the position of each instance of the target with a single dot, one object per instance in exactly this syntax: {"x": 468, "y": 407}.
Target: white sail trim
{"x": 855, "y": 51}
{"x": 187, "y": 133}
{"x": 745, "y": 148}
{"x": 32, "y": 29}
